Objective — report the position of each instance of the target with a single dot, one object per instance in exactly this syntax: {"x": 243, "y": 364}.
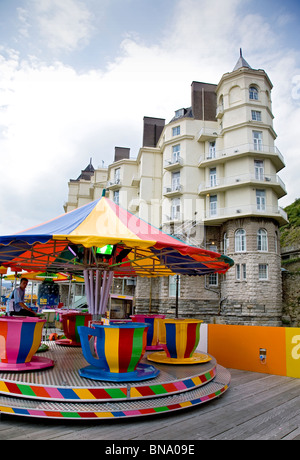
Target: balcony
{"x": 175, "y": 190}
{"x": 174, "y": 217}
{"x": 173, "y": 163}
{"x": 240, "y": 150}
{"x": 114, "y": 184}
{"x": 220, "y": 111}
{"x": 219, "y": 215}
{"x": 267, "y": 180}
{"x": 207, "y": 134}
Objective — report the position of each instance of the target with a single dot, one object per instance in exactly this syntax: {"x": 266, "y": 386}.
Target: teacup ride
{"x": 155, "y": 324}
{"x": 71, "y": 321}
{"x": 119, "y": 350}
{"x": 182, "y": 339}
{"x": 20, "y": 339}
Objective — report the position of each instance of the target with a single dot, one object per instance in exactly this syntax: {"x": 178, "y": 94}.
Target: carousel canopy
{"x": 103, "y": 235}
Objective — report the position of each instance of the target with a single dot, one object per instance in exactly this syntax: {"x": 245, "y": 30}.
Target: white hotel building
{"x": 209, "y": 177}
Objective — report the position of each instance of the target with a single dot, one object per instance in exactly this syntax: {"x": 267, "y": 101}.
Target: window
{"x": 262, "y": 240}
{"x": 213, "y": 205}
{"x": 179, "y": 113}
{"x": 255, "y": 115}
{"x": 175, "y": 181}
{"x": 225, "y": 243}
{"x": 253, "y": 93}
{"x": 259, "y": 169}
{"x": 240, "y": 240}
{"x": 213, "y": 279}
{"x": 175, "y": 209}
{"x": 240, "y": 272}
{"x": 212, "y": 150}
{"x": 263, "y": 271}
{"x": 176, "y": 131}
{"x": 173, "y": 285}
{"x": 257, "y": 140}
{"x": 213, "y": 177}
{"x": 260, "y": 200}
{"x": 117, "y": 175}
{"x": 175, "y": 153}
{"x": 116, "y": 196}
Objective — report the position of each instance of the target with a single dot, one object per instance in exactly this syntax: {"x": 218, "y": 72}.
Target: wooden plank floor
{"x": 256, "y": 406}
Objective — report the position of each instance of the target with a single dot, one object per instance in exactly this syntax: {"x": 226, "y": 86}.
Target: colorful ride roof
{"x": 133, "y": 247}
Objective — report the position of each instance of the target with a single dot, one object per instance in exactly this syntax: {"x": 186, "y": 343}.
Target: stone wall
{"x": 291, "y": 294}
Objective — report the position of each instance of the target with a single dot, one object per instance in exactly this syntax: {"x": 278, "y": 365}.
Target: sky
{"x": 78, "y": 76}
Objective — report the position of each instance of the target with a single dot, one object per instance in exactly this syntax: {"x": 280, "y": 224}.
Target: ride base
{"x": 61, "y": 393}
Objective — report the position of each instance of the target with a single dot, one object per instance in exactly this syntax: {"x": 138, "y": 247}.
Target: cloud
{"x": 62, "y": 25}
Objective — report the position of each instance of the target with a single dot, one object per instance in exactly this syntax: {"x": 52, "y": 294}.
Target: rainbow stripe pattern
{"x": 182, "y": 337}
{"x": 105, "y": 394}
{"x": 71, "y": 322}
{"x": 153, "y": 331}
{"x": 112, "y": 414}
{"x": 20, "y": 339}
{"x": 119, "y": 347}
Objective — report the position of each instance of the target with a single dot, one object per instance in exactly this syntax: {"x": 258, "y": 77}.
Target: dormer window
{"x": 253, "y": 93}
{"x": 179, "y": 113}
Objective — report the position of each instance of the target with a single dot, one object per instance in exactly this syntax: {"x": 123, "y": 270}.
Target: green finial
{"x": 103, "y": 192}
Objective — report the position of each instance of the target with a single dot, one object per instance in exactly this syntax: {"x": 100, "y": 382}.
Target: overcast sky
{"x": 78, "y": 76}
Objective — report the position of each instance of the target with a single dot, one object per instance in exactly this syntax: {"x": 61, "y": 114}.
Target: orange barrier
{"x": 270, "y": 350}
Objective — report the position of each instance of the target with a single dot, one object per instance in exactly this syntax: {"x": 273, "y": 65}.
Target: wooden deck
{"x": 256, "y": 406}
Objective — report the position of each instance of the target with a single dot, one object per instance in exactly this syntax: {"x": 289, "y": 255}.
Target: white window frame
{"x": 262, "y": 240}
{"x": 253, "y": 93}
{"x": 225, "y": 244}
{"x": 172, "y": 285}
{"x": 116, "y": 197}
{"x": 257, "y": 141}
{"x": 263, "y": 272}
{"x": 213, "y": 177}
{"x": 213, "y": 279}
{"x": 175, "y": 208}
{"x": 212, "y": 149}
{"x": 213, "y": 205}
{"x": 117, "y": 175}
{"x": 241, "y": 272}
{"x": 259, "y": 169}
{"x": 175, "y": 181}
{"x": 176, "y": 131}
{"x": 240, "y": 240}
{"x": 255, "y": 115}
{"x": 260, "y": 200}
{"x": 175, "y": 153}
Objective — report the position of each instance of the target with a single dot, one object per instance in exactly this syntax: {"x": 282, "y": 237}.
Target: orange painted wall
{"x": 237, "y": 347}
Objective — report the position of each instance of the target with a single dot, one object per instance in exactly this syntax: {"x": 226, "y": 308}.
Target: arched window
{"x": 262, "y": 240}
{"x": 225, "y": 243}
{"x": 253, "y": 93}
{"x": 240, "y": 240}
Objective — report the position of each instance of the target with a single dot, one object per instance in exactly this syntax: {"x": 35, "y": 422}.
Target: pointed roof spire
{"x": 241, "y": 62}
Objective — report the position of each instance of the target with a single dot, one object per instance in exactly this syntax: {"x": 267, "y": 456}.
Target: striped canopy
{"x": 71, "y": 243}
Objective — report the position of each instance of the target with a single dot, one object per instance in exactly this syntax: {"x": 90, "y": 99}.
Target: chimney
{"x": 153, "y": 128}
{"x": 204, "y": 101}
{"x": 121, "y": 153}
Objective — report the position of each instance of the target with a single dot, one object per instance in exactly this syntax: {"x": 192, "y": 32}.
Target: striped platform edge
{"x": 118, "y": 409}
{"x": 63, "y": 382}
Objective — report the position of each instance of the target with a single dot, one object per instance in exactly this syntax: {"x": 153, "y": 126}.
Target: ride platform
{"x": 60, "y": 392}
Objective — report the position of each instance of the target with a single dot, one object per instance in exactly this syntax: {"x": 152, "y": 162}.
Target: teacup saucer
{"x": 35, "y": 364}
{"x": 142, "y": 372}
{"x": 161, "y": 357}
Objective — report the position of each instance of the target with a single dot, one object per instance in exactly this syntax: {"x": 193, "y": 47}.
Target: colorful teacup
{"x": 71, "y": 321}
{"x": 182, "y": 338}
{"x": 154, "y": 323}
{"x": 20, "y": 339}
{"x": 119, "y": 348}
